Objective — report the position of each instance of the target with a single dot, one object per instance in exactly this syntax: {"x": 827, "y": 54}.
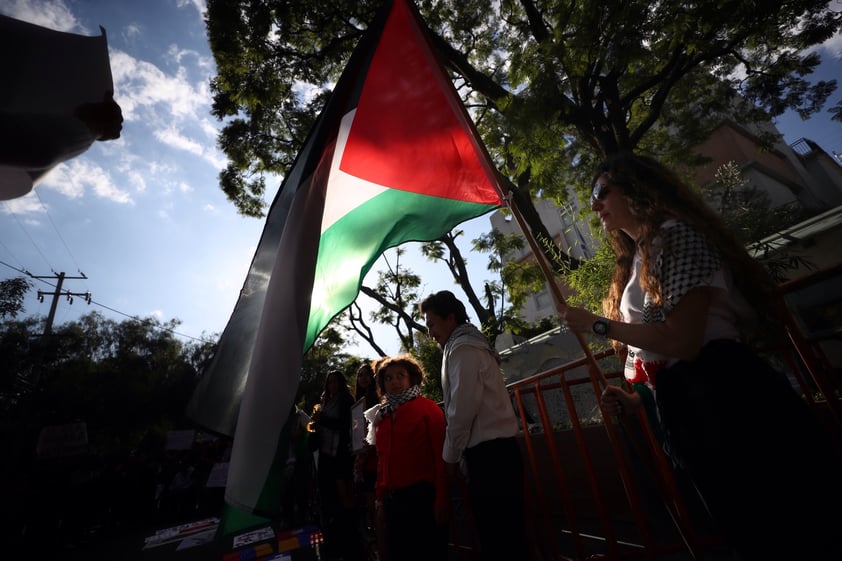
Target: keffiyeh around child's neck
{"x": 393, "y": 401}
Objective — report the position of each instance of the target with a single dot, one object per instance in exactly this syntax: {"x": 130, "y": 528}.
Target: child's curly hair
{"x": 413, "y": 367}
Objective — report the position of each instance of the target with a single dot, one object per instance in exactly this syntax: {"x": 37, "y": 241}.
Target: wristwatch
{"x": 600, "y": 327}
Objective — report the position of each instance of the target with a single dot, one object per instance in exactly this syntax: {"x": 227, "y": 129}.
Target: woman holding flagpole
{"x": 684, "y": 306}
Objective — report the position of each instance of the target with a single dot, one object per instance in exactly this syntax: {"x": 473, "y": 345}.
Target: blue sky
{"x": 143, "y": 216}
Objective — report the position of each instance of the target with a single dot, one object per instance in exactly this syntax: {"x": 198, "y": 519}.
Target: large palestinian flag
{"x": 393, "y": 158}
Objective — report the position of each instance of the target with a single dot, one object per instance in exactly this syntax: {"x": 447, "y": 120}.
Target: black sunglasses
{"x": 600, "y": 191}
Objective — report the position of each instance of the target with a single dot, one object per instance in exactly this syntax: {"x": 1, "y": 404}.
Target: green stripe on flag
{"x": 349, "y": 248}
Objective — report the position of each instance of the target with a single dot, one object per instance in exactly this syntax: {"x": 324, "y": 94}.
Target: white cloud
{"x": 129, "y": 165}
{"x": 160, "y": 169}
{"x": 210, "y": 128}
{"x": 216, "y": 159}
{"x": 164, "y": 213}
{"x": 74, "y": 177}
{"x": 132, "y": 32}
{"x": 61, "y": 179}
{"x": 28, "y": 204}
{"x": 177, "y": 54}
{"x": 200, "y": 5}
{"x": 172, "y": 137}
{"x": 833, "y": 46}
{"x": 137, "y": 180}
{"x": 168, "y": 104}
{"x": 145, "y": 92}
{"x": 52, "y": 14}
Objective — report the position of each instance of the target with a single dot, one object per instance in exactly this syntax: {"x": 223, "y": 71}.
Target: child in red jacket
{"x": 411, "y": 487}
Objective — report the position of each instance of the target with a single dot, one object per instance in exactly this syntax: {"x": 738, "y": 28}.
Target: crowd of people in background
{"x": 365, "y": 468}
{"x": 398, "y": 482}
{"x": 407, "y": 429}
{"x": 480, "y": 441}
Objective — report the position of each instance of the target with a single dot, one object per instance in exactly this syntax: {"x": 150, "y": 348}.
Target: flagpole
{"x": 543, "y": 263}
{"x": 497, "y": 179}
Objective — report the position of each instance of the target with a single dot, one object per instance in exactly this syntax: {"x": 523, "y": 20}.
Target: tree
{"x": 836, "y": 110}
{"x": 12, "y": 292}
{"x": 551, "y": 86}
{"x": 17, "y": 347}
{"x": 519, "y": 278}
{"x": 396, "y": 291}
{"x": 429, "y": 355}
{"x": 748, "y": 212}
{"x": 435, "y": 251}
{"x": 125, "y": 380}
{"x": 590, "y": 281}
{"x": 128, "y": 382}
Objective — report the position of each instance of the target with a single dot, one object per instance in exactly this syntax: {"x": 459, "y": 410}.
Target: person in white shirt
{"x": 481, "y": 429}
{"x": 689, "y": 308}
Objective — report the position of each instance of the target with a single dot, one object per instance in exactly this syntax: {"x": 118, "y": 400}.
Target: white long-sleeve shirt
{"x": 476, "y": 402}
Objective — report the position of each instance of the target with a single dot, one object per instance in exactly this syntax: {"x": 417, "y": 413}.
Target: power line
{"x": 162, "y": 328}
{"x": 38, "y": 249}
{"x": 22, "y": 271}
{"x": 60, "y": 237}
{"x": 101, "y": 305}
{"x": 9, "y": 250}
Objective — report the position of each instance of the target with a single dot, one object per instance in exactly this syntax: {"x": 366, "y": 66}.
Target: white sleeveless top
{"x": 727, "y": 312}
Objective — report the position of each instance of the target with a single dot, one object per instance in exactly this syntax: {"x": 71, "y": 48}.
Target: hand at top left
{"x": 104, "y": 119}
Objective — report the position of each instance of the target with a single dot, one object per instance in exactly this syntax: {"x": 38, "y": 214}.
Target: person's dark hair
{"x": 343, "y": 384}
{"x": 370, "y": 393}
{"x": 655, "y": 194}
{"x": 444, "y": 303}
{"x": 412, "y": 365}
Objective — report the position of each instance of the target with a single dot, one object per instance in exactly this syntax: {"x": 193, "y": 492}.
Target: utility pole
{"x": 48, "y": 327}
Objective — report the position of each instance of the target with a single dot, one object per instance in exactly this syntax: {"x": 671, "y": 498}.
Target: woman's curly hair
{"x": 656, "y": 194}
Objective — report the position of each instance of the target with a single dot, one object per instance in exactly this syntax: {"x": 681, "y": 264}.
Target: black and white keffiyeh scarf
{"x": 375, "y": 414}
{"x": 685, "y": 260}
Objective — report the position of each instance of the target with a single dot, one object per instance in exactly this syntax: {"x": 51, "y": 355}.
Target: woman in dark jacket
{"x": 332, "y": 423}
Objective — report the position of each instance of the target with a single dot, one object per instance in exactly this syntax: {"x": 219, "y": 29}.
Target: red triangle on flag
{"x": 409, "y": 132}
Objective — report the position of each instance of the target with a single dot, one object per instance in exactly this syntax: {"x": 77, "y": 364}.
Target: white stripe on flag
{"x": 345, "y": 192}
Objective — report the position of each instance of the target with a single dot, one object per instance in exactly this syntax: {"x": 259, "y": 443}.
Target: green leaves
{"x": 126, "y": 380}
{"x": 12, "y": 292}
{"x": 552, "y": 86}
